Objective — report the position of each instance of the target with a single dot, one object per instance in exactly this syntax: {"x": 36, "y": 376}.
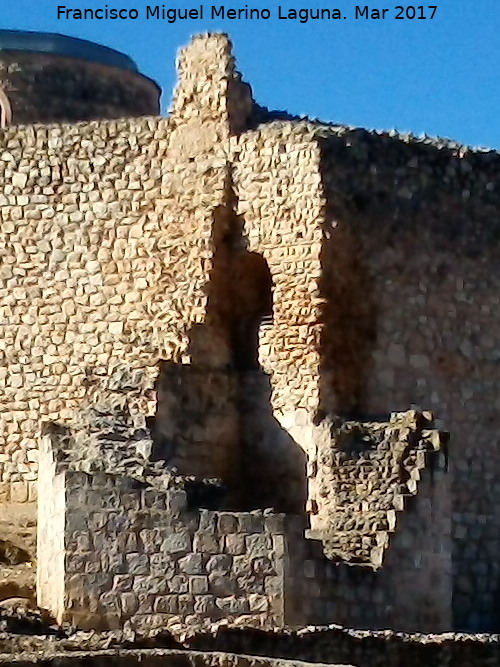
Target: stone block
{"x": 198, "y": 585}
{"x": 154, "y": 499}
{"x": 279, "y": 545}
{"x": 258, "y": 603}
{"x": 76, "y": 562}
{"x": 250, "y": 523}
{"x": 250, "y": 583}
{"x": 206, "y": 543}
{"x": 234, "y": 544}
{"x": 110, "y": 603}
{"x": 145, "y": 602}
{"x": 19, "y": 492}
{"x": 179, "y": 583}
{"x": 193, "y": 563}
{"x": 227, "y": 523}
{"x": 263, "y": 566}
{"x": 232, "y": 605}
{"x": 147, "y": 584}
{"x": 186, "y": 604}
{"x": 275, "y": 523}
{"x": 101, "y": 541}
{"x": 204, "y": 604}
{"x": 273, "y": 586}
{"x": 208, "y": 522}
{"x": 93, "y": 520}
{"x": 131, "y": 542}
{"x": 176, "y": 502}
{"x": 166, "y": 604}
{"x": 114, "y": 563}
{"x": 123, "y": 582}
{"x": 177, "y": 543}
{"x": 98, "y": 581}
{"x": 162, "y": 564}
{"x": 221, "y": 585}
{"x": 221, "y": 563}
{"x": 117, "y": 522}
{"x": 258, "y": 545}
{"x": 137, "y": 563}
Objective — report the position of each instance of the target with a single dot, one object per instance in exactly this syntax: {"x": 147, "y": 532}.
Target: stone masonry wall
{"x": 411, "y": 591}
{"x": 131, "y": 214}
{"x": 121, "y": 542}
{"x": 366, "y": 473}
{"x": 277, "y": 186}
{"x": 134, "y": 552}
{"x": 336, "y": 648}
{"x": 156, "y": 657}
{"x": 143, "y": 558}
{"x": 357, "y": 647}
{"x": 77, "y": 271}
{"x": 430, "y": 272}
{"x": 44, "y": 88}
{"x": 106, "y": 246}
{"x": 264, "y": 281}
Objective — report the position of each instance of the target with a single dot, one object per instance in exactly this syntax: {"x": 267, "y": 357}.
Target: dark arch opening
{"x": 251, "y": 298}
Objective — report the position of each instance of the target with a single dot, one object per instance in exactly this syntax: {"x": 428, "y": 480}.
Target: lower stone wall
{"x": 411, "y": 592}
{"x": 154, "y": 658}
{"x": 336, "y": 648}
{"x": 138, "y": 554}
{"x": 338, "y": 645}
{"x": 133, "y": 548}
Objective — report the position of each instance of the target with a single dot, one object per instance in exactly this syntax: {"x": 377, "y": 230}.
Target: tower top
{"x": 210, "y": 101}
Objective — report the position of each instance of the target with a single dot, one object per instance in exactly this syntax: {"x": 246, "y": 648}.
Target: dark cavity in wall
{"x": 252, "y": 306}
{"x": 225, "y": 386}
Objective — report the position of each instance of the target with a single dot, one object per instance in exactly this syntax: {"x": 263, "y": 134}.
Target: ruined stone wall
{"x": 156, "y": 657}
{"x": 118, "y": 532}
{"x": 263, "y": 281}
{"x": 106, "y": 245}
{"x": 43, "y": 88}
{"x": 144, "y": 558}
{"x": 411, "y": 591}
{"x": 337, "y": 648}
{"x": 366, "y": 473}
{"x": 135, "y": 552}
{"x": 423, "y": 222}
{"x": 113, "y": 251}
{"x": 275, "y": 172}
{"x": 210, "y": 101}
{"x": 357, "y": 647}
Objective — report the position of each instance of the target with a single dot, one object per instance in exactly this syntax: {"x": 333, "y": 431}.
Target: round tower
{"x": 46, "y": 78}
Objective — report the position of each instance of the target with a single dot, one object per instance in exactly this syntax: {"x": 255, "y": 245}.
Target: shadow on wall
{"x": 350, "y": 322}
{"x": 274, "y": 465}
{"x": 214, "y": 415}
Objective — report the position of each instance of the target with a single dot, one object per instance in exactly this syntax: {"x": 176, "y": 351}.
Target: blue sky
{"x": 439, "y": 76}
